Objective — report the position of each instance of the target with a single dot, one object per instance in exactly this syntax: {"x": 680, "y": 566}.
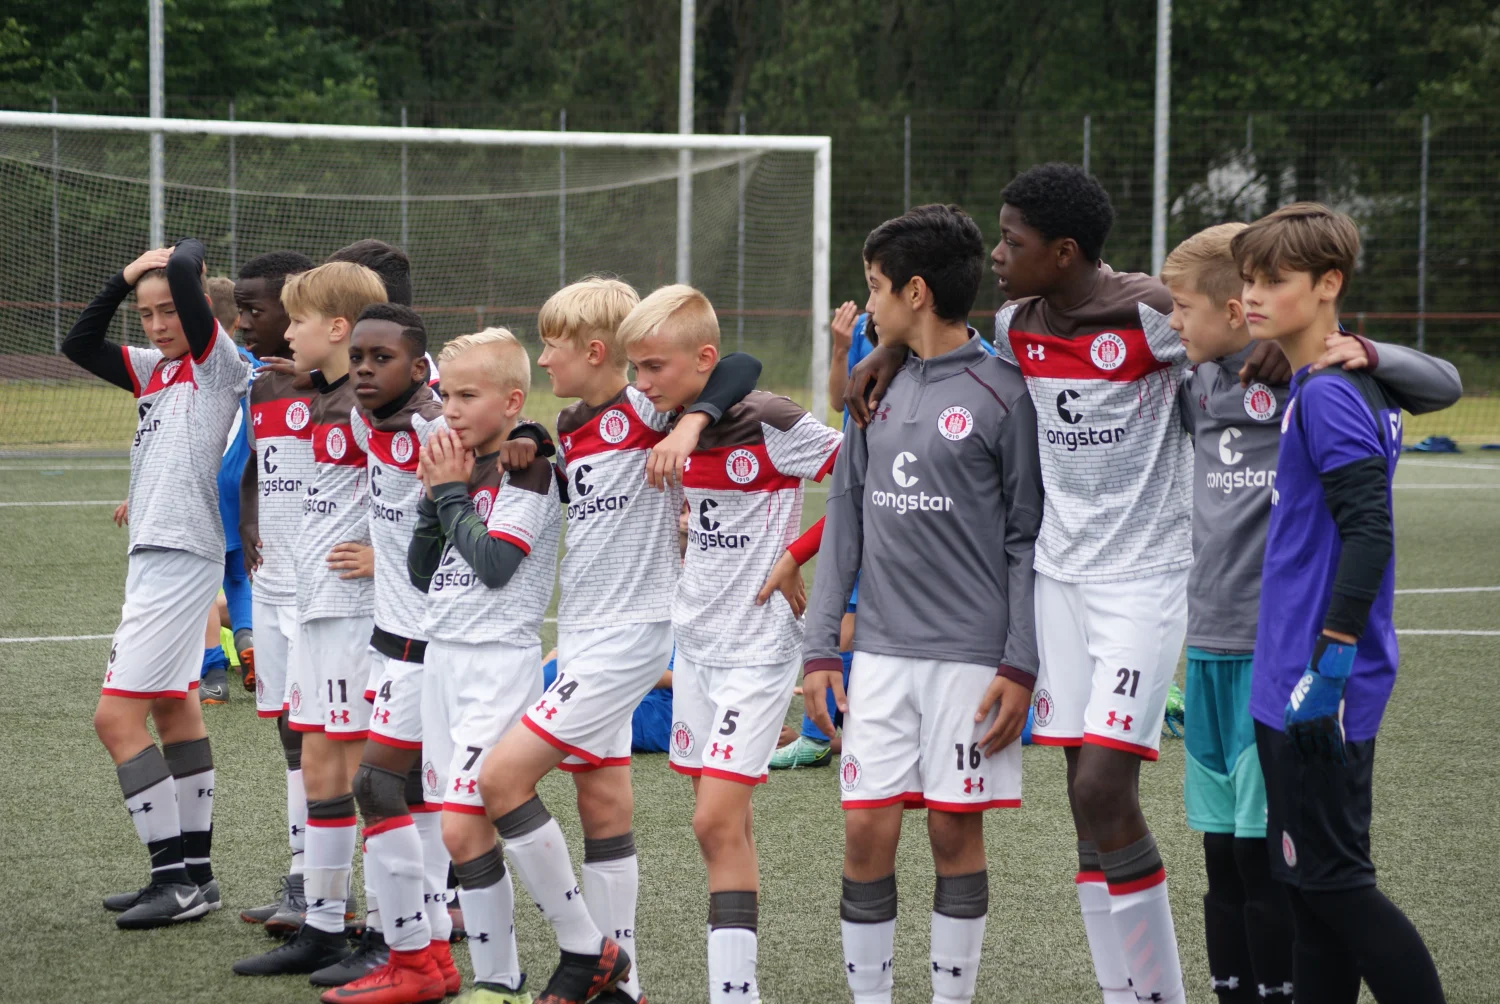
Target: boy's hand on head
{"x": 868, "y": 383}
{"x": 1343, "y": 350}
{"x": 815, "y": 687}
{"x": 786, "y": 578}
{"x": 668, "y": 458}
{"x": 842, "y": 325}
{"x": 352, "y": 560}
{"x": 1010, "y": 700}
{"x": 1314, "y": 715}
{"x": 516, "y": 454}
{"x": 122, "y": 513}
{"x": 150, "y": 261}
{"x": 1268, "y": 364}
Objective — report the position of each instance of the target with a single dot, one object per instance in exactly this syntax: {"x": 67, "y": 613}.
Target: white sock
{"x": 489, "y": 917}
{"x": 956, "y": 945}
{"x": 1104, "y": 938}
{"x": 540, "y": 858}
{"x": 435, "y": 892}
{"x": 869, "y": 960}
{"x": 329, "y": 861}
{"x": 195, "y": 801}
{"x": 731, "y": 966}
{"x": 1143, "y": 918}
{"x": 393, "y": 873}
{"x": 296, "y": 819}
{"x": 611, "y": 886}
{"x": 372, "y": 898}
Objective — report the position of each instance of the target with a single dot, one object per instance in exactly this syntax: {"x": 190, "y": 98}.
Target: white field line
{"x": 48, "y": 468}
{"x": 1449, "y": 589}
{"x": 1419, "y": 486}
{"x": 1444, "y": 631}
{"x": 1494, "y": 468}
{"x": 35, "y": 505}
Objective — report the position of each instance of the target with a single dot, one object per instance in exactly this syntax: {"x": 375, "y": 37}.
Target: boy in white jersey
{"x": 485, "y": 551}
{"x": 736, "y": 662}
{"x": 325, "y": 692}
{"x": 613, "y": 633}
{"x": 188, "y": 386}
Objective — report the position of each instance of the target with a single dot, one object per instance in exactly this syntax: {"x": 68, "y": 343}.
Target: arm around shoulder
{"x": 1021, "y": 490}
{"x": 1420, "y": 383}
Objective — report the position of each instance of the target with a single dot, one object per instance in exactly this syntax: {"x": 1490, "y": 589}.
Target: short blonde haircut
{"x": 337, "y": 289}
{"x": 221, "y": 297}
{"x": 1204, "y": 264}
{"x": 589, "y": 309}
{"x": 1302, "y": 237}
{"x": 686, "y": 314}
{"x": 508, "y": 364}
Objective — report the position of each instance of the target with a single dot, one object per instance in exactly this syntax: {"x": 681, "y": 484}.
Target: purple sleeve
{"x": 1338, "y": 424}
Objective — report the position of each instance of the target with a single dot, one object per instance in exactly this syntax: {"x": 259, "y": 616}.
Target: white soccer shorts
{"x": 471, "y": 696}
{"x": 910, "y": 738}
{"x": 726, "y": 719}
{"x": 157, "y": 650}
{"x": 1108, "y": 653}
{"x": 275, "y": 636}
{"x": 602, "y": 674}
{"x": 395, "y": 696}
{"x": 330, "y": 667}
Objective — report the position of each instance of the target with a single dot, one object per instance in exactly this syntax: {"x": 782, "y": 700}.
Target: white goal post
{"x": 711, "y": 152}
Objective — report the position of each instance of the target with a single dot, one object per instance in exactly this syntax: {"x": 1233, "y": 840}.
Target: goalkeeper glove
{"x": 1314, "y": 716}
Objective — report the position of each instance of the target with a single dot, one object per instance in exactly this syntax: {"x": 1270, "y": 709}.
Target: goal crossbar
{"x": 820, "y": 147}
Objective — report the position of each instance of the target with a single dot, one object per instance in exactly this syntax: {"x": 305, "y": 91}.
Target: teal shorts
{"x": 1222, "y": 788}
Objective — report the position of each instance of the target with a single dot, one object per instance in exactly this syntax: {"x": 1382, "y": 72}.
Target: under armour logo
{"x": 403, "y": 921}
{"x": 381, "y": 715}
{"x": 882, "y": 413}
{"x": 145, "y": 807}
{"x": 717, "y": 750}
{"x": 1233, "y": 983}
{"x": 1285, "y": 990}
{"x": 1123, "y": 722}
{"x": 1035, "y": 351}
{"x": 297, "y": 829}
{"x": 483, "y": 937}
{"x": 743, "y": 988}
{"x": 338, "y": 717}
{"x": 972, "y": 785}
{"x": 540, "y": 706}
{"x": 458, "y": 785}
{"x": 549, "y": 713}
{"x": 1153, "y": 996}
{"x": 954, "y": 971}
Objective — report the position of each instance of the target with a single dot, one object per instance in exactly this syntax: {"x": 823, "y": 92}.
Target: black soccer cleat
{"x": 369, "y": 955}
{"x": 161, "y": 905}
{"x": 581, "y": 978}
{"x": 121, "y": 901}
{"x": 214, "y": 687}
{"x": 306, "y": 952}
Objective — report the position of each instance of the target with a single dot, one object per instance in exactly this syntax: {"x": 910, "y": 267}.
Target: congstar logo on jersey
{"x": 1070, "y": 413}
{"x": 586, "y": 503}
{"x": 1230, "y": 480}
{"x": 449, "y": 575}
{"x": 312, "y": 503}
{"x": 904, "y": 474}
{"x": 379, "y": 508}
{"x": 704, "y": 533}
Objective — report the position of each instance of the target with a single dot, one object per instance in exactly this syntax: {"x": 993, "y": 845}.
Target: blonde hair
{"x": 337, "y": 289}
{"x": 1204, "y": 264}
{"x": 690, "y": 316}
{"x": 221, "y": 297}
{"x": 591, "y": 308}
{"x": 508, "y": 364}
{"x": 1301, "y": 237}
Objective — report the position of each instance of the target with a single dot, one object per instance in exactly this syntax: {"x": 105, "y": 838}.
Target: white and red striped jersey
{"x": 184, "y": 409}
{"x": 743, "y": 487}
{"x": 391, "y": 445}
{"x": 335, "y": 509}
{"x": 622, "y": 556}
{"x": 1116, "y": 462}
{"x": 281, "y": 436}
{"x": 521, "y": 508}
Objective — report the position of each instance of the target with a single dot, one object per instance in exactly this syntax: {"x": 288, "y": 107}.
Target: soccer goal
{"x": 494, "y": 222}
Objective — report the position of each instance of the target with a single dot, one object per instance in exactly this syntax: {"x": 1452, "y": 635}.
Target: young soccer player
{"x": 394, "y": 268}
{"x": 1325, "y": 647}
{"x": 485, "y": 551}
{"x": 614, "y": 636}
{"x": 1236, "y": 433}
{"x": 187, "y": 386}
{"x": 942, "y": 499}
{"x": 736, "y": 661}
{"x": 273, "y": 485}
{"x": 327, "y": 677}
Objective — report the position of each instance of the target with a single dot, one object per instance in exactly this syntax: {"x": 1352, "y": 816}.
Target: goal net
{"x": 494, "y": 222}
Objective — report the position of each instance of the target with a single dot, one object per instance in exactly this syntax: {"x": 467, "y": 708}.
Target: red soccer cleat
{"x": 409, "y": 978}
{"x": 578, "y": 979}
{"x": 441, "y": 954}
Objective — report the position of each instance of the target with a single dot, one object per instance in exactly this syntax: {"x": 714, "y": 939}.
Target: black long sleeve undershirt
{"x": 185, "y": 279}
{"x": 1356, "y": 497}
{"x": 733, "y": 378}
{"x": 86, "y": 343}
{"x": 493, "y": 560}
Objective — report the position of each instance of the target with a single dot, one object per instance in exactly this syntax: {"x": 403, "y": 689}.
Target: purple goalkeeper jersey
{"x": 1328, "y": 423}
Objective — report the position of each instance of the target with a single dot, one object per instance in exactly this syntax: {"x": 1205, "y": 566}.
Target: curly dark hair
{"x": 940, "y": 243}
{"x": 385, "y": 260}
{"x": 275, "y": 266}
{"x": 1063, "y": 200}
{"x": 413, "y": 331}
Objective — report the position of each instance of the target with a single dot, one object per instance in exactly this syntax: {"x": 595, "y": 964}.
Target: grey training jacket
{"x": 1236, "y": 434}
{"x": 936, "y": 507}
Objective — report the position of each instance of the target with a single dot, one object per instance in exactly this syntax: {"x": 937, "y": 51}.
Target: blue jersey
{"x": 1328, "y": 423}
{"x": 236, "y": 452}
